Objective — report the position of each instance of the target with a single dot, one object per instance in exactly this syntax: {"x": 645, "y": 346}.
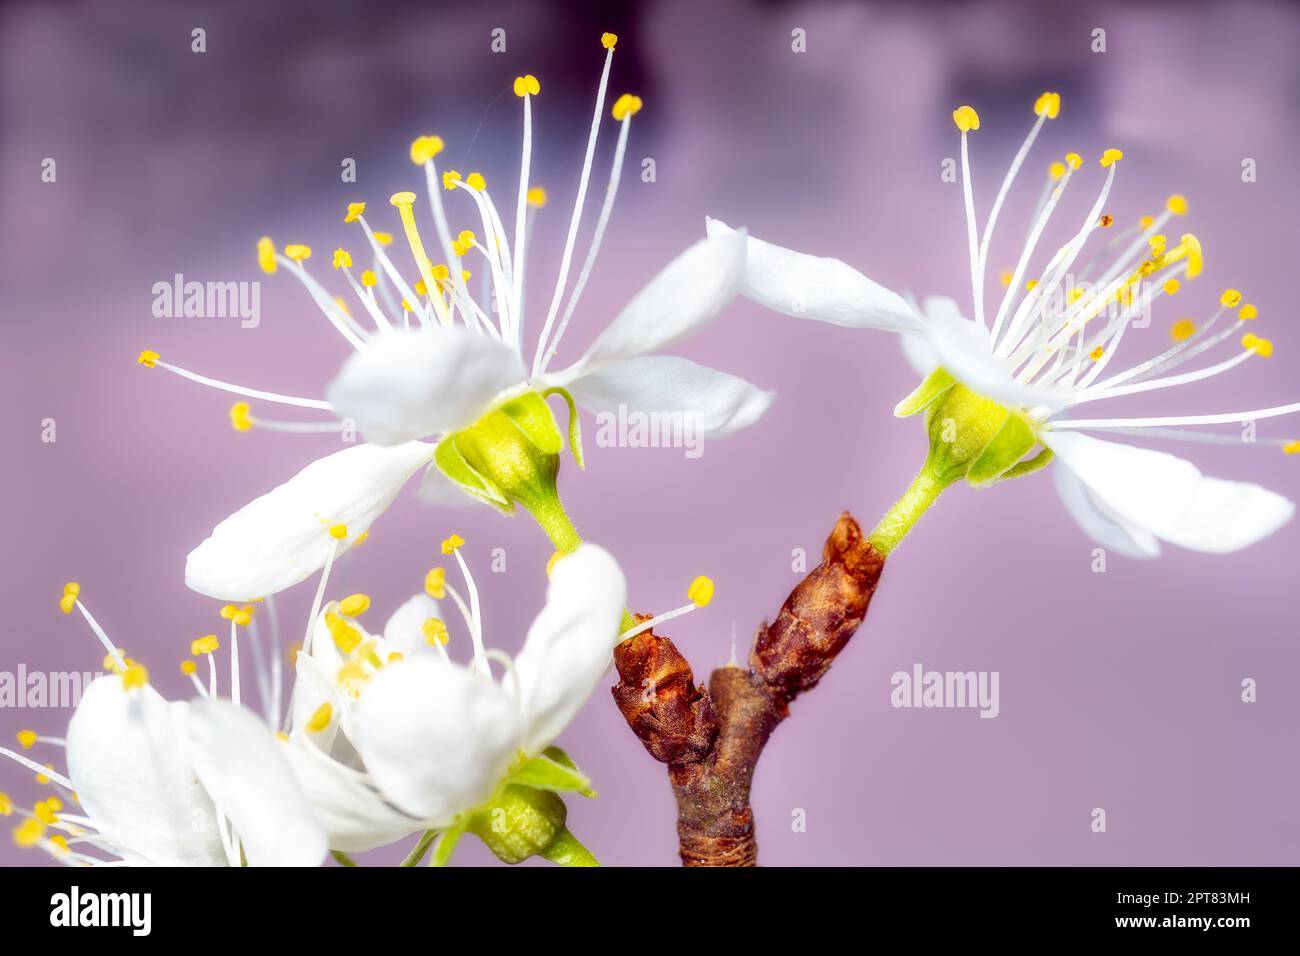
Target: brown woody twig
{"x": 712, "y": 738}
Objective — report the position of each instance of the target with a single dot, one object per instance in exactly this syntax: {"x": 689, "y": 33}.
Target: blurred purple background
{"x": 1118, "y": 690}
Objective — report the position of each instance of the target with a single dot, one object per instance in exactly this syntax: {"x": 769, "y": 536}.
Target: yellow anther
{"x": 148, "y": 358}
{"x": 420, "y": 288}
{"x": 110, "y": 663}
{"x": 241, "y": 416}
{"x": 450, "y": 178}
{"x": 1230, "y": 298}
{"x": 134, "y": 676}
{"x": 352, "y": 673}
{"x": 338, "y": 532}
{"x": 298, "y": 252}
{"x": 27, "y": 739}
{"x": 1106, "y": 221}
{"x": 966, "y": 118}
{"x": 466, "y": 237}
{"x": 1158, "y": 245}
{"x": 1056, "y": 170}
{"x": 320, "y": 718}
{"x": 355, "y": 209}
{"x": 435, "y": 583}
{"x": 1172, "y": 286}
{"x": 1097, "y": 353}
{"x": 54, "y": 803}
{"x": 435, "y": 632}
{"x": 476, "y": 181}
{"x": 461, "y": 248}
{"x": 625, "y": 106}
{"x": 607, "y": 40}
{"x": 1248, "y": 311}
{"x": 383, "y": 238}
{"x": 406, "y": 198}
{"x": 1177, "y": 204}
{"x": 536, "y": 197}
{"x": 342, "y": 259}
{"x": 1029, "y": 286}
{"x": 6, "y": 805}
{"x": 188, "y": 667}
{"x": 369, "y": 279}
{"x": 281, "y": 735}
{"x": 1075, "y": 294}
{"x": 1261, "y": 347}
{"x": 1191, "y": 247}
{"x": 1146, "y": 222}
{"x": 243, "y": 617}
{"x": 59, "y": 843}
{"x": 1073, "y": 160}
{"x": 424, "y": 148}
{"x": 43, "y": 813}
{"x": 69, "y": 599}
{"x": 406, "y": 306}
{"x": 526, "y": 85}
{"x": 1290, "y": 448}
{"x": 465, "y": 275}
{"x": 354, "y": 604}
{"x": 440, "y": 272}
{"x": 449, "y": 545}
{"x": 395, "y": 657}
{"x": 1005, "y": 277}
{"x": 73, "y": 588}
{"x": 1111, "y": 156}
{"x": 701, "y": 591}
{"x": 208, "y": 644}
{"x": 266, "y": 256}
{"x": 28, "y": 833}
{"x": 1182, "y": 329}
{"x": 228, "y": 611}
{"x": 44, "y": 779}
{"x": 346, "y": 637}
{"x": 1049, "y": 105}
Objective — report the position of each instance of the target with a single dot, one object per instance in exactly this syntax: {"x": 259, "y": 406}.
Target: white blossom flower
{"x": 166, "y": 783}
{"x": 433, "y": 357}
{"x": 1047, "y": 349}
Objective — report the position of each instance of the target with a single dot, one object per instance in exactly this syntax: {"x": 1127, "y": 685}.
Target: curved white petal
{"x": 1169, "y": 497}
{"x": 283, "y": 537}
{"x": 571, "y": 643}
{"x": 813, "y": 287}
{"x": 436, "y": 737}
{"x": 435, "y": 488}
{"x": 1099, "y": 522}
{"x": 313, "y": 686}
{"x": 355, "y": 817}
{"x": 714, "y": 404}
{"x": 403, "y": 631}
{"x": 410, "y": 384}
{"x": 128, "y": 758}
{"x": 242, "y": 766}
{"x": 685, "y": 296}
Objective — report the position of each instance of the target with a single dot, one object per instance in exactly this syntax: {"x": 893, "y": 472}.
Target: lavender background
{"x": 1118, "y": 690}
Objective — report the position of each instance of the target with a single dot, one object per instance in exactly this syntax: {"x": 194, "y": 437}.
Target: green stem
{"x": 417, "y": 854}
{"x": 550, "y": 515}
{"x": 898, "y": 520}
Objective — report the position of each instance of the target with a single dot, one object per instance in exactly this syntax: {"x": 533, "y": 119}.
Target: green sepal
{"x": 453, "y": 464}
{"x": 532, "y": 416}
{"x": 546, "y": 773}
{"x": 1029, "y": 465}
{"x": 567, "y": 850}
{"x": 925, "y": 394}
{"x": 1003, "y": 451}
{"x": 447, "y": 841}
{"x": 575, "y": 424}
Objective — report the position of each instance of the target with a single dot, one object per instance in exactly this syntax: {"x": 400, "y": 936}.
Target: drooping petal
{"x": 436, "y": 737}
{"x": 283, "y": 537}
{"x": 678, "y": 302}
{"x": 403, "y": 631}
{"x": 355, "y": 817}
{"x": 813, "y": 287}
{"x": 128, "y": 758}
{"x": 571, "y": 643}
{"x": 244, "y": 769}
{"x": 1099, "y": 522}
{"x": 712, "y": 404}
{"x": 412, "y": 384}
{"x": 1169, "y": 497}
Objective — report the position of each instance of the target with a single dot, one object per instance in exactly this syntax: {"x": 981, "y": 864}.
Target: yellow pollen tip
{"x": 1182, "y": 329}
{"x": 1248, "y": 311}
{"x": 1097, "y": 353}
{"x": 450, "y": 178}
{"x": 41, "y": 778}
{"x": 43, "y": 813}
{"x": 241, "y": 416}
{"x": 228, "y": 611}
{"x": 320, "y": 718}
{"x": 476, "y": 181}
{"x": 1111, "y": 156}
{"x": 966, "y": 118}
{"x": 466, "y": 237}
{"x": 449, "y": 545}
{"x": 1146, "y": 222}
{"x": 1056, "y": 170}
{"x": 700, "y": 592}
{"x": 188, "y": 667}
{"x": 354, "y": 604}
{"x": 208, "y": 644}
{"x": 383, "y": 238}
{"x": 420, "y": 288}
{"x": 1049, "y": 105}
{"x": 527, "y": 85}
{"x": 342, "y": 259}
{"x": 135, "y": 676}
{"x": 355, "y": 209}
{"x": 6, "y": 805}
{"x": 148, "y": 358}
{"x": 402, "y": 198}
{"x": 369, "y": 279}
{"x": 607, "y": 40}
{"x": 266, "y": 255}
{"x": 1230, "y": 298}
{"x": 424, "y": 148}
{"x": 440, "y": 272}
{"x": 1005, "y": 277}
{"x": 465, "y": 275}
{"x": 1106, "y": 221}
{"x": 1290, "y": 448}
{"x": 536, "y": 197}
{"x": 243, "y": 617}
{"x": 1073, "y": 160}
{"x": 298, "y": 252}
{"x": 67, "y": 602}
{"x": 1172, "y": 286}
{"x": 435, "y": 632}
{"x": 435, "y": 583}
{"x": 27, "y": 739}
{"x": 1261, "y": 347}
{"x": 1029, "y": 286}
{"x": 1177, "y": 204}
{"x": 28, "y": 833}
{"x": 346, "y": 637}
{"x": 338, "y": 532}
{"x": 625, "y": 106}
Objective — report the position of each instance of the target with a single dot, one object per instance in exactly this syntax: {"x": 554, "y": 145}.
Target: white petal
{"x": 413, "y": 384}
{"x": 128, "y": 758}
{"x": 1098, "y": 521}
{"x": 1169, "y": 497}
{"x": 352, "y": 813}
{"x": 917, "y": 349}
{"x": 437, "y": 489}
{"x": 314, "y": 685}
{"x": 404, "y": 630}
{"x": 717, "y": 404}
{"x": 813, "y": 287}
{"x": 435, "y": 737}
{"x": 680, "y": 300}
{"x": 570, "y": 645}
{"x": 283, "y": 537}
{"x": 242, "y": 766}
